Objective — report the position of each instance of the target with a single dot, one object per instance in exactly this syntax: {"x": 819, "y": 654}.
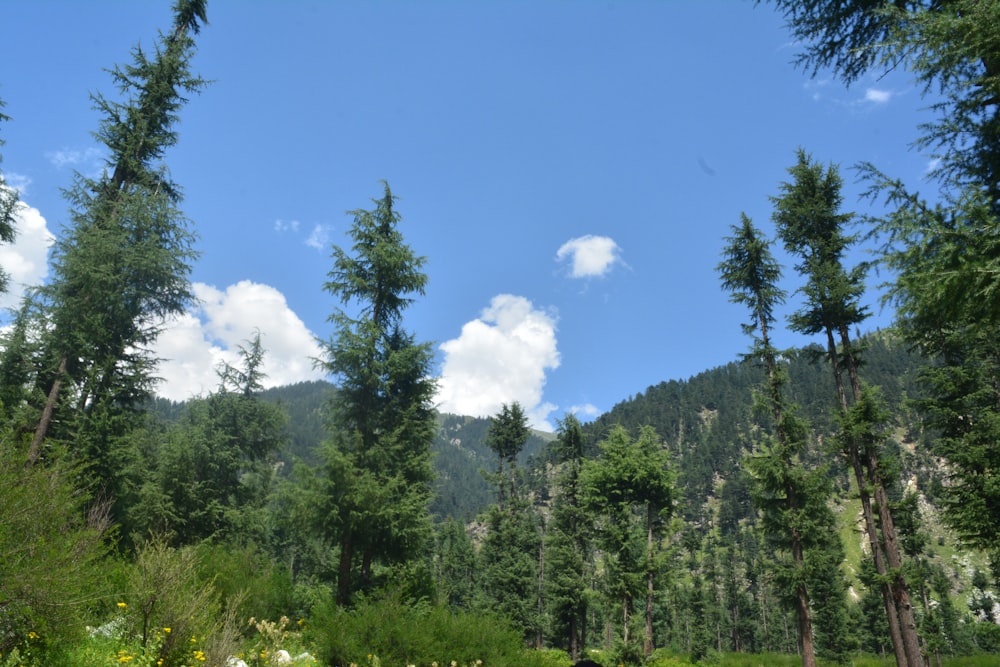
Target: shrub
{"x": 388, "y": 631}
{"x": 51, "y": 546}
{"x": 167, "y": 603}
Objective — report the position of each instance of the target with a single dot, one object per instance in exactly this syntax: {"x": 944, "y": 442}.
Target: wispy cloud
{"x": 286, "y": 226}
{"x": 16, "y": 182}
{"x": 500, "y": 357}
{"x": 589, "y": 256}
{"x": 87, "y": 160}
{"x": 585, "y": 411}
{"x": 319, "y": 238}
{"x": 878, "y": 96}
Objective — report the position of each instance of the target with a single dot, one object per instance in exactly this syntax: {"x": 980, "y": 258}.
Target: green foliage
{"x": 376, "y": 472}
{"x": 567, "y": 544}
{"x": 455, "y": 566}
{"x": 52, "y": 546}
{"x": 212, "y": 470}
{"x": 249, "y": 580}
{"x": 507, "y": 436}
{"x": 393, "y": 632}
{"x": 508, "y": 565}
{"x": 119, "y": 271}
{"x": 164, "y": 590}
{"x": 9, "y": 200}
{"x": 630, "y": 491}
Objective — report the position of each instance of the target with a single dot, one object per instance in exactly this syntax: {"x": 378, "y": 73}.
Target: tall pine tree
{"x": 809, "y": 222}
{"x": 792, "y": 499}
{"x": 377, "y": 461}
{"x": 122, "y": 267}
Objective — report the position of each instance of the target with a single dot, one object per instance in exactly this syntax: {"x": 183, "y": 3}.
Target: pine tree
{"x": 509, "y": 556}
{"x": 9, "y": 200}
{"x": 377, "y": 462}
{"x": 507, "y": 436}
{"x": 951, "y": 46}
{"x": 791, "y": 498}
{"x": 808, "y": 219}
{"x": 213, "y": 471}
{"x": 122, "y": 267}
{"x": 567, "y": 545}
{"x": 631, "y": 488}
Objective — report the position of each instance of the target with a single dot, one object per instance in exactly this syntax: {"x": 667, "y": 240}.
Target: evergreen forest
{"x": 832, "y": 504}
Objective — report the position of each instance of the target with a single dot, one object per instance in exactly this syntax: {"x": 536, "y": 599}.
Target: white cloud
{"x": 194, "y": 344}
{"x": 501, "y": 357}
{"x": 586, "y": 411}
{"x": 878, "y": 96}
{"x": 591, "y": 256}
{"x": 319, "y": 238}
{"x": 25, "y": 260}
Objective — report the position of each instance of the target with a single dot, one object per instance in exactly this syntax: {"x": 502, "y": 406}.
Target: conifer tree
{"x": 122, "y": 267}
{"x": 508, "y": 558}
{"x": 212, "y": 472}
{"x": 631, "y": 489}
{"x": 8, "y": 209}
{"x": 377, "y": 461}
{"x": 792, "y": 499}
{"x": 507, "y": 436}
{"x": 567, "y": 545}
{"x": 951, "y": 46}
{"x": 809, "y": 222}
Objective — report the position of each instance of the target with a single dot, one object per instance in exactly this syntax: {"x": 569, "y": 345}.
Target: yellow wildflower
{"x": 32, "y": 635}
{"x": 122, "y": 605}
{"x": 167, "y": 630}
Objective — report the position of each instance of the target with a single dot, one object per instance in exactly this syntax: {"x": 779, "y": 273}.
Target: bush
{"x": 167, "y": 604}
{"x": 244, "y": 573}
{"x": 51, "y": 546}
{"x": 387, "y": 631}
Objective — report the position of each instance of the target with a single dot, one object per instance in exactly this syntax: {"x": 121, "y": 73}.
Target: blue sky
{"x": 568, "y": 169}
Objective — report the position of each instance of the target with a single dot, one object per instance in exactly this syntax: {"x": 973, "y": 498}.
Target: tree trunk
{"x": 344, "y": 569}
{"x": 647, "y": 642}
{"x": 806, "y": 648}
{"x": 898, "y": 588}
{"x": 852, "y": 450}
{"x": 34, "y": 451}
{"x": 626, "y": 618}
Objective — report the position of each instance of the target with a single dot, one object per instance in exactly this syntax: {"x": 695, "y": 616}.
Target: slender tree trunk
{"x": 344, "y": 569}
{"x": 647, "y": 643}
{"x": 899, "y": 589}
{"x": 806, "y": 650}
{"x": 626, "y": 619}
{"x": 541, "y": 583}
{"x": 852, "y": 450}
{"x": 574, "y": 647}
{"x": 34, "y": 451}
